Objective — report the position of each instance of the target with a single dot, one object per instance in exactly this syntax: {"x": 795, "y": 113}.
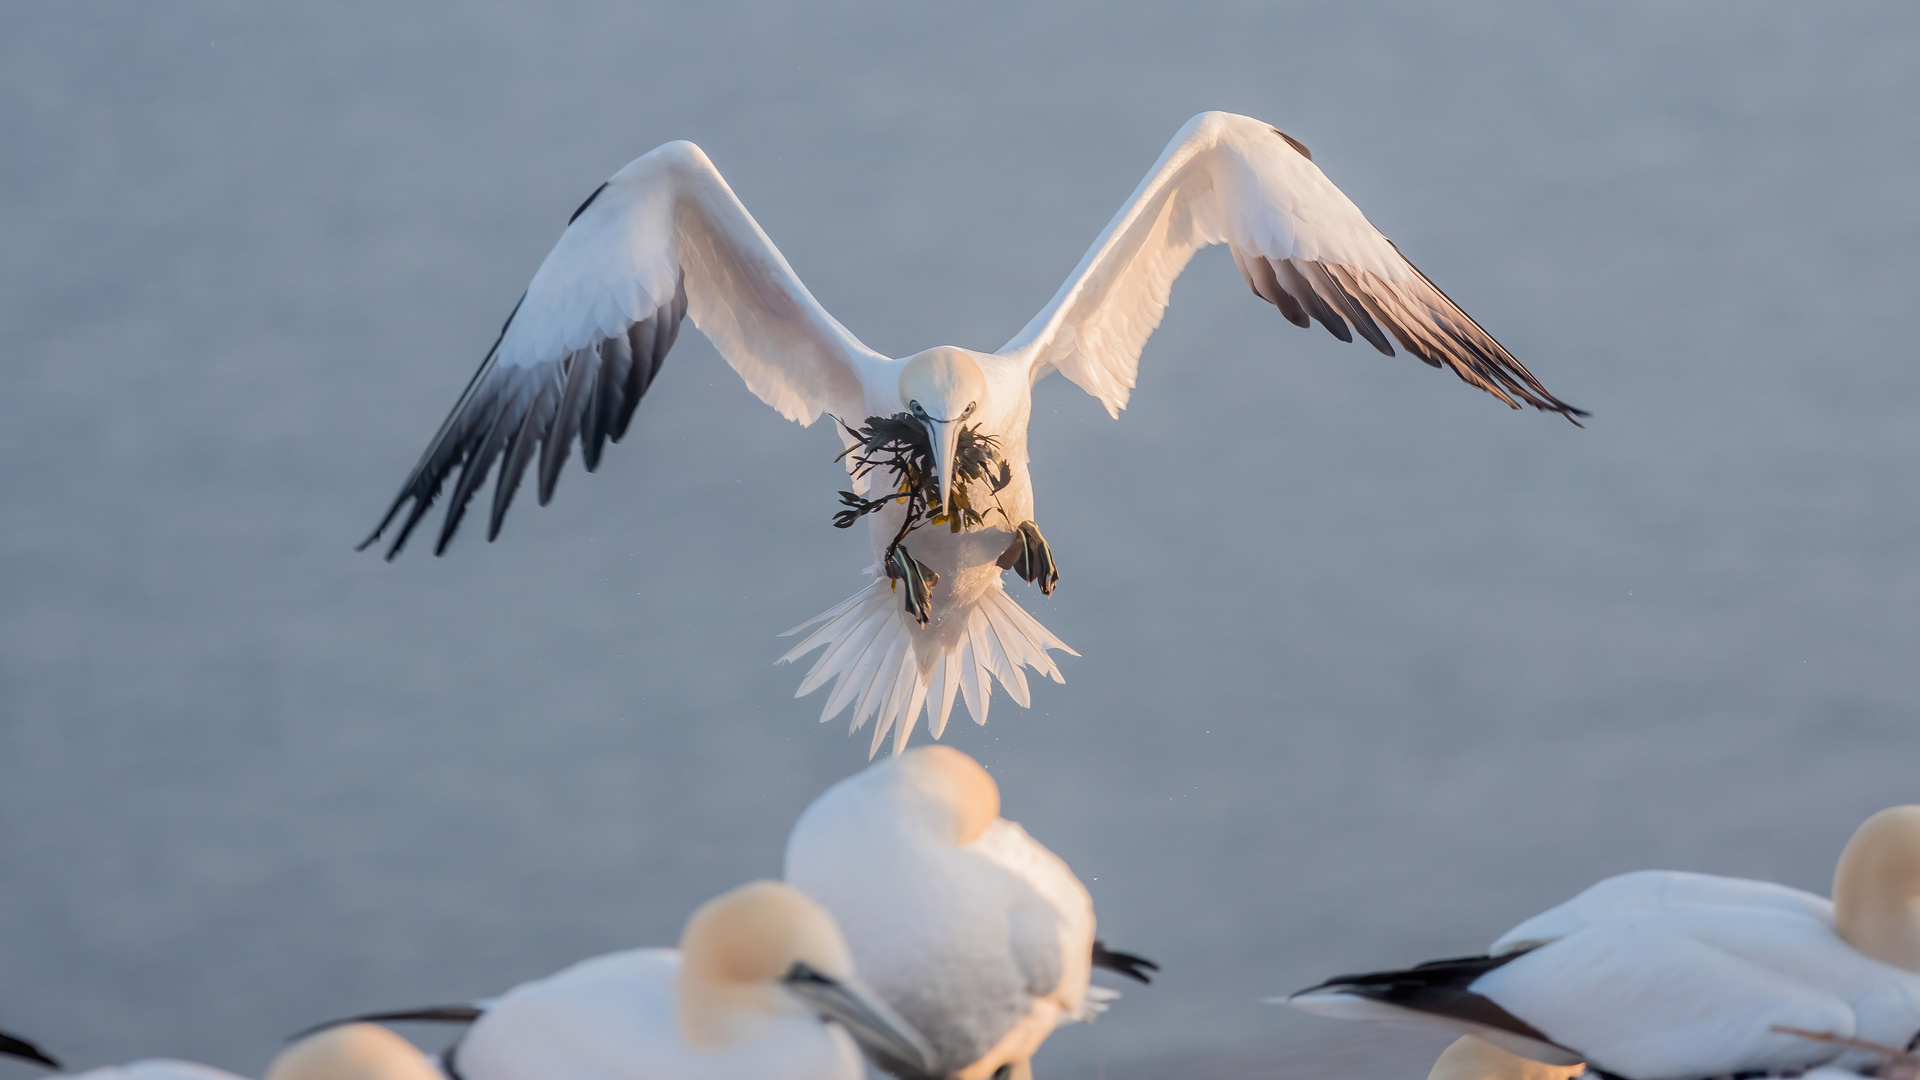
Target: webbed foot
{"x": 1031, "y": 558}
{"x": 1128, "y": 964}
{"x": 918, "y": 579}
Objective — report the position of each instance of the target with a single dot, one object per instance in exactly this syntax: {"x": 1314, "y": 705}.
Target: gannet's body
{"x": 350, "y": 1052}
{"x": 1660, "y": 975}
{"x": 666, "y": 239}
{"x": 976, "y": 934}
{"x": 613, "y": 1016}
{"x": 157, "y": 1069}
{"x": 762, "y": 986}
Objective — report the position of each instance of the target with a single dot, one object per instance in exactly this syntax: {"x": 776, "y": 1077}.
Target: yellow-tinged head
{"x": 942, "y": 387}
{"x": 956, "y": 783}
{"x": 1476, "y": 1059}
{"x": 352, "y": 1052}
{"x": 766, "y": 949}
{"x": 1876, "y": 888}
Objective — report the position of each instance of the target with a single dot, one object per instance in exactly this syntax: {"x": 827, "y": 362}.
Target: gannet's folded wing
{"x": 1649, "y": 995}
{"x": 1680, "y": 992}
{"x": 1055, "y": 952}
{"x": 665, "y": 238}
{"x": 1300, "y": 243}
{"x": 1660, "y": 890}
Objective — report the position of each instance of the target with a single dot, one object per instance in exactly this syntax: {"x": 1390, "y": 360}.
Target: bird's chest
{"x": 1002, "y": 503}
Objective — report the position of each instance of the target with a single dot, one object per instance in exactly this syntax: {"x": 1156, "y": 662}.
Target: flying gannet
{"x": 1660, "y": 975}
{"x": 665, "y": 239}
{"x": 762, "y": 986}
{"x": 977, "y": 935}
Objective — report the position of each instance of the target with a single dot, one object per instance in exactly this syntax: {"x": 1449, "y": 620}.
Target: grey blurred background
{"x": 1372, "y": 667}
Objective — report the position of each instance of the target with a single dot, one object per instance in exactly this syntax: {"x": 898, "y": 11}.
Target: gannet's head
{"x": 352, "y": 1052}
{"x": 1876, "y": 888}
{"x": 956, "y": 788}
{"x": 766, "y": 949}
{"x": 942, "y": 387}
{"x": 1476, "y": 1059}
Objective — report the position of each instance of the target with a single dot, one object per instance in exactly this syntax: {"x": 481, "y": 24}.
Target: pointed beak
{"x": 877, "y": 1028}
{"x": 944, "y": 435}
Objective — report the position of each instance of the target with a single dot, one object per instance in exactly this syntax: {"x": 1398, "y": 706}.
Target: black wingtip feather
{"x": 589, "y": 202}
{"x": 1439, "y": 987}
{"x": 558, "y": 443}
{"x": 432, "y": 1014}
{"x": 515, "y": 413}
{"x": 14, "y": 1046}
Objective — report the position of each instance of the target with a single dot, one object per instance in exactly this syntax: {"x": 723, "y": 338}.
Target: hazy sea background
{"x": 1373, "y": 667}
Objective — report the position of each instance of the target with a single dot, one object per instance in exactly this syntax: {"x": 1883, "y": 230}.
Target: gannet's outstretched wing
{"x": 1302, "y": 245}
{"x": 663, "y": 239}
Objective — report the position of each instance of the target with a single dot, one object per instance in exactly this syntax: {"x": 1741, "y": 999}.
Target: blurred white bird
{"x": 666, "y": 238}
{"x": 976, "y": 934}
{"x": 1660, "y": 975}
{"x": 352, "y": 1052}
{"x": 762, "y": 986}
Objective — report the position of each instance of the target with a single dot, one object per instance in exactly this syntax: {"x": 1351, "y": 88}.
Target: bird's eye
{"x": 914, "y": 406}
{"x": 971, "y": 405}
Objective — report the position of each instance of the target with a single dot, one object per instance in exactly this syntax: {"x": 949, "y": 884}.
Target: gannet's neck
{"x": 1876, "y": 888}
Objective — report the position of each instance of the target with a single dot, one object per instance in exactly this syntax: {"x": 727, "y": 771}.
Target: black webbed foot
{"x": 1133, "y": 967}
{"x": 918, "y": 579}
{"x": 1031, "y": 558}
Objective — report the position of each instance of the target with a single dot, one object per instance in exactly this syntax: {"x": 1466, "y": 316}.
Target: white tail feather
{"x": 874, "y": 658}
{"x": 1098, "y": 1000}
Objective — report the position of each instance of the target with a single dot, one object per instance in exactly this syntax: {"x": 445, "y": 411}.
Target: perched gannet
{"x": 980, "y": 937}
{"x": 1469, "y": 1058}
{"x": 666, "y": 238}
{"x": 1660, "y": 975}
{"x": 762, "y": 986}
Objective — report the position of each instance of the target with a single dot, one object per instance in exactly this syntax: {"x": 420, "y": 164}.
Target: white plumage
{"x": 666, "y": 238}
{"x": 157, "y": 1069}
{"x": 976, "y": 934}
{"x": 613, "y": 1017}
{"x": 1660, "y": 975}
{"x": 349, "y": 1052}
{"x": 762, "y": 986}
